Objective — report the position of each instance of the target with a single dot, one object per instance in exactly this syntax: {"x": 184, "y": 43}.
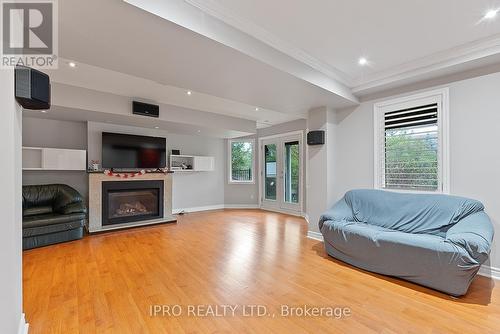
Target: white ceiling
{"x": 133, "y": 47}
{"x": 283, "y": 57}
{"x": 108, "y": 81}
{"x": 387, "y": 32}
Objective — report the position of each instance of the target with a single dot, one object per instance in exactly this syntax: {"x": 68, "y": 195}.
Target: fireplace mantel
{"x": 95, "y": 200}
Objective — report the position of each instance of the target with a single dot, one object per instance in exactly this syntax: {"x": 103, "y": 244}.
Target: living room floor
{"x": 111, "y": 282}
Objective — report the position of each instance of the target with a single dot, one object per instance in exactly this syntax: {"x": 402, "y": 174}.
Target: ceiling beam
{"x": 249, "y": 39}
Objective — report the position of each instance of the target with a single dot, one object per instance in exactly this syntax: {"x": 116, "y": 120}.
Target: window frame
{"x": 230, "y": 159}
{"x": 439, "y": 96}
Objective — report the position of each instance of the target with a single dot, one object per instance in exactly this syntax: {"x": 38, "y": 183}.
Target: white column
{"x": 320, "y": 166}
{"x": 11, "y": 316}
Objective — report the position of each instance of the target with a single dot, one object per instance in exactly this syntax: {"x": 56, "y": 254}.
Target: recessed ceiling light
{"x": 44, "y": 111}
{"x": 491, "y": 14}
{"x": 199, "y": 131}
{"x": 256, "y": 108}
{"x": 362, "y": 61}
{"x": 157, "y": 127}
{"x": 189, "y": 92}
{"x": 72, "y": 64}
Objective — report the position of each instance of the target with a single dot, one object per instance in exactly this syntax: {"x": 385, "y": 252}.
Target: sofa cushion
{"x": 410, "y": 213}
{"x": 37, "y": 210}
{"x": 51, "y": 219}
{"x": 54, "y": 228}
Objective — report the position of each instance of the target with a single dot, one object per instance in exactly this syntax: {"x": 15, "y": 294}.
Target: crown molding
{"x": 230, "y": 18}
{"x": 435, "y": 63}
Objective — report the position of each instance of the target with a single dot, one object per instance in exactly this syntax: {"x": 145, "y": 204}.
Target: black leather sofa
{"x": 52, "y": 214}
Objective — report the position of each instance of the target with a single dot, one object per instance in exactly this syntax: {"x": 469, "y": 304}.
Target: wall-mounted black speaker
{"x": 32, "y": 88}
{"x": 176, "y": 152}
{"x": 145, "y": 109}
{"x": 316, "y": 137}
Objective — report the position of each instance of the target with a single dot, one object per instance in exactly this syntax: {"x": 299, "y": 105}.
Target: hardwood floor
{"x": 107, "y": 283}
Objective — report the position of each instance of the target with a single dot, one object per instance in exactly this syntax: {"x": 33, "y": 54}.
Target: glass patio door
{"x": 281, "y": 171}
{"x": 291, "y": 175}
{"x": 271, "y": 172}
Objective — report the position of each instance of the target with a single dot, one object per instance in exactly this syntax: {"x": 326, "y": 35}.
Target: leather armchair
{"x": 52, "y": 213}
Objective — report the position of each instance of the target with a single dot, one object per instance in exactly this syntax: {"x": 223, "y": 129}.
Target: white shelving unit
{"x": 192, "y": 162}
{"x": 43, "y": 158}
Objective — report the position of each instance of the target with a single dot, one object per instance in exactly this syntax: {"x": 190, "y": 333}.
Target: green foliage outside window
{"x": 411, "y": 159}
{"x": 241, "y": 161}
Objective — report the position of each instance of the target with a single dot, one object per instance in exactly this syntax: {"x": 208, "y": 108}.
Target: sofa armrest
{"x": 68, "y": 200}
{"x": 78, "y": 207}
{"x": 340, "y": 211}
{"x": 474, "y": 233}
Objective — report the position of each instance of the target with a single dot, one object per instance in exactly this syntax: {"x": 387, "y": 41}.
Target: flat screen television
{"x": 129, "y": 151}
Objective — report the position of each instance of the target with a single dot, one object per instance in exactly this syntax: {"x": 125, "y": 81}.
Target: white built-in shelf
{"x": 194, "y": 163}
{"x": 44, "y": 158}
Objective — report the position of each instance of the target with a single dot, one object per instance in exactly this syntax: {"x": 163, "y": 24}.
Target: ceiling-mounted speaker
{"x": 145, "y": 109}
{"x": 316, "y": 137}
{"x": 32, "y": 88}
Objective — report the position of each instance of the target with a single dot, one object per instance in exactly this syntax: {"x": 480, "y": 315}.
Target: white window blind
{"x": 411, "y": 148}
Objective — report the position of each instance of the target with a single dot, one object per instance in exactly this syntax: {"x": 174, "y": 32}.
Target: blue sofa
{"x": 438, "y": 241}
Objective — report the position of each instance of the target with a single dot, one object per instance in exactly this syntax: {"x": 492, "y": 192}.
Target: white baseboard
{"x": 23, "y": 325}
{"x": 241, "y": 206}
{"x": 238, "y": 206}
{"x": 199, "y": 208}
{"x": 216, "y": 207}
{"x": 315, "y": 235}
{"x": 490, "y": 272}
{"x": 284, "y": 211}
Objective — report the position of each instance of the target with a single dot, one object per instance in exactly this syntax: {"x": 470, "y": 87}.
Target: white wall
{"x": 320, "y": 175}
{"x": 40, "y": 132}
{"x": 189, "y": 189}
{"x": 10, "y": 205}
{"x": 474, "y": 153}
{"x": 198, "y": 189}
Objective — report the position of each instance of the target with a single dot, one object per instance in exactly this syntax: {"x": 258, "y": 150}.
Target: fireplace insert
{"x": 131, "y": 201}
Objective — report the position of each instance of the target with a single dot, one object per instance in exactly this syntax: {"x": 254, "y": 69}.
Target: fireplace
{"x": 131, "y": 201}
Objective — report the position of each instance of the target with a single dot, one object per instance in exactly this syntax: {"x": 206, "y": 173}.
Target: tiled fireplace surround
{"x": 95, "y": 200}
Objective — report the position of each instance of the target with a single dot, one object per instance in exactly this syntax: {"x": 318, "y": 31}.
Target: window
{"x": 292, "y": 170}
{"x": 411, "y": 138}
{"x": 241, "y": 161}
